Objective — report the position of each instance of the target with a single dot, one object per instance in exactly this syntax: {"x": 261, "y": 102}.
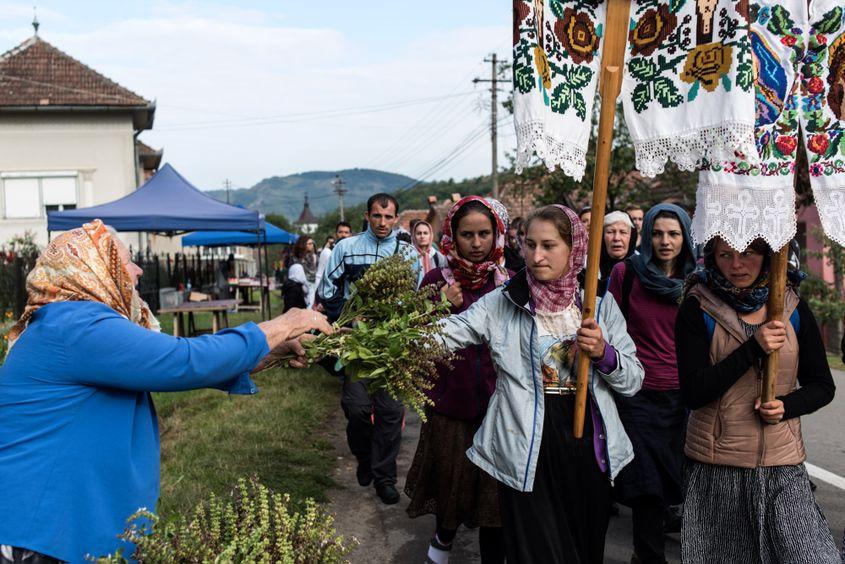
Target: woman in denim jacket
{"x": 554, "y": 489}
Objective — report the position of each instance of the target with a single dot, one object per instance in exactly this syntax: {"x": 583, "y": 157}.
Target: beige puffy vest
{"x": 728, "y": 431}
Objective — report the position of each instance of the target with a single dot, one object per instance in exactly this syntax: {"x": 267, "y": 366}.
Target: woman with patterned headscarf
{"x": 748, "y": 496}
{"x": 442, "y": 480}
{"x": 554, "y": 489}
{"x": 79, "y": 444}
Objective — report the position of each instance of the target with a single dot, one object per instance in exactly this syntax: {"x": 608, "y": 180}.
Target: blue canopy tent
{"x": 166, "y": 203}
{"x": 272, "y": 235}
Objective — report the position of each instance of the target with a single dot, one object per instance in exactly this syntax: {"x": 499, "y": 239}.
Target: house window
{"x": 21, "y": 197}
{"x": 33, "y": 195}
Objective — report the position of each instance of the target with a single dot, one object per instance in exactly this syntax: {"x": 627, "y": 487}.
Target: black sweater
{"x": 703, "y": 382}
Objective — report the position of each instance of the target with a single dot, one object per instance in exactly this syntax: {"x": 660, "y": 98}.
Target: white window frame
{"x": 39, "y": 175}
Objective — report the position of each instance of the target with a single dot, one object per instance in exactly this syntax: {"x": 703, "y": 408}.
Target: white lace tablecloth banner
{"x": 687, "y": 89}
{"x": 555, "y": 73}
{"x": 799, "y": 59}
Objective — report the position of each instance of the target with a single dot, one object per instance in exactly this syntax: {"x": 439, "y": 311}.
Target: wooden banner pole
{"x": 610, "y": 83}
{"x": 774, "y": 311}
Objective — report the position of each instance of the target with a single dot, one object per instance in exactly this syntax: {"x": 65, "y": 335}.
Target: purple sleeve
{"x": 607, "y": 363}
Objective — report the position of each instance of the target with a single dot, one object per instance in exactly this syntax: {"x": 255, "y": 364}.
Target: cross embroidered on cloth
{"x": 799, "y": 62}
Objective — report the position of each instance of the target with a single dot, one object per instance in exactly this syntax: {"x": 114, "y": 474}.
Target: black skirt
{"x": 656, "y": 423}
{"x": 443, "y": 482}
{"x": 564, "y": 519}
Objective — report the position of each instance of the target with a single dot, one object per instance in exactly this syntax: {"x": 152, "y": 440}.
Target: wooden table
{"x": 245, "y": 286}
{"x": 220, "y": 309}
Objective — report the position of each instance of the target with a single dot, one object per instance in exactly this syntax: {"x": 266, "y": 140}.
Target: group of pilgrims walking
{"x": 674, "y": 414}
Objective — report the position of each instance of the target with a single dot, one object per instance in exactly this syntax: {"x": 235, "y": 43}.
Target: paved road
{"x": 388, "y": 535}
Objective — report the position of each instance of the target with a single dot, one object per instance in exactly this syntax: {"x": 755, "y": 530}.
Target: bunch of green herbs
{"x": 389, "y": 336}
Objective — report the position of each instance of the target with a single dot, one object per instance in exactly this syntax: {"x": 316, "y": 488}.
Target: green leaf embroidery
{"x": 726, "y": 82}
{"x": 557, "y": 8}
{"x": 523, "y": 78}
{"x": 641, "y": 97}
{"x": 676, "y": 5}
{"x": 693, "y": 91}
{"x": 666, "y": 92}
{"x": 561, "y": 98}
{"x": 580, "y": 106}
{"x": 745, "y": 75}
{"x": 642, "y": 69}
{"x": 579, "y": 76}
{"x": 830, "y": 21}
{"x": 780, "y": 23}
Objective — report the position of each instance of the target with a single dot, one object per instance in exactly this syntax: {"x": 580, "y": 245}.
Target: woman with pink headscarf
{"x": 554, "y": 488}
{"x": 423, "y": 239}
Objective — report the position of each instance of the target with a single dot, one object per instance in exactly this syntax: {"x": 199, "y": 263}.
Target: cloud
{"x": 206, "y": 64}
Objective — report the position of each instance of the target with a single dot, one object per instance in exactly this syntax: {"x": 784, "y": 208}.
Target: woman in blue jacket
{"x": 79, "y": 444}
{"x": 554, "y": 489}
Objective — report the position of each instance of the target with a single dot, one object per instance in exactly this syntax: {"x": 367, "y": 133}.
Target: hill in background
{"x": 286, "y": 194}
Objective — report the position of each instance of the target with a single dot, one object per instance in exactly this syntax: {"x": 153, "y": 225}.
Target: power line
{"x": 309, "y": 116}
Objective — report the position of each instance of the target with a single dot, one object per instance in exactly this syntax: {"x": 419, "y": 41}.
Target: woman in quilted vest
{"x": 748, "y": 497}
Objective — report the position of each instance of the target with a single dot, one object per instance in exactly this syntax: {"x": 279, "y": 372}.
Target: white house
{"x": 68, "y": 138}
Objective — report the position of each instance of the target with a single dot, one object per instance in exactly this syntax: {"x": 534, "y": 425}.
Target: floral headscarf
{"x": 473, "y": 275}
{"x": 83, "y": 265}
{"x": 554, "y": 296}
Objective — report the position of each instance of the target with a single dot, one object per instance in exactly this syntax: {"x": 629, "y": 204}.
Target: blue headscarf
{"x": 651, "y": 276}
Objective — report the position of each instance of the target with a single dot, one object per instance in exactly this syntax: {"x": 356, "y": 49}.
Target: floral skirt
{"x": 443, "y": 482}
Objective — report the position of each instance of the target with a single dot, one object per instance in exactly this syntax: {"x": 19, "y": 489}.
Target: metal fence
{"x": 180, "y": 271}
{"x": 13, "y": 273}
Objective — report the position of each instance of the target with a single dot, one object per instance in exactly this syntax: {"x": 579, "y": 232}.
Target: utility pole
{"x": 227, "y": 184}
{"x": 494, "y": 81}
{"x": 340, "y": 189}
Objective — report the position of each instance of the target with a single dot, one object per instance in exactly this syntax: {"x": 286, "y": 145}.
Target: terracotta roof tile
{"x": 37, "y": 74}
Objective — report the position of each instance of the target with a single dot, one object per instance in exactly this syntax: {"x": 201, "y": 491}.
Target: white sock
{"x": 438, "y": 556}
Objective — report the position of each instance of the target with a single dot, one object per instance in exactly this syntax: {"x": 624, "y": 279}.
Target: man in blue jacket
{"x": 374, "y": 428}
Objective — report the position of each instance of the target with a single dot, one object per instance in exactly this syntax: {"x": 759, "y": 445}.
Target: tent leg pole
{"x": 610, "y": 83}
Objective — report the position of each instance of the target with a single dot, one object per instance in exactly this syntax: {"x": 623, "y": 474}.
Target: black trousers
{"x": 647, "y": 516}
{"x": 373, "y": 429}
{"x": 564, "y": 519}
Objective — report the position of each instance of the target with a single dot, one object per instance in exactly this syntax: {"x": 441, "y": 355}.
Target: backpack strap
{"x": 710, "y": 322}
{"x": 627, "y": 284}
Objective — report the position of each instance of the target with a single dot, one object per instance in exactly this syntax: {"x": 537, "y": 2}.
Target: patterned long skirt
{"x": 753, "y": 515}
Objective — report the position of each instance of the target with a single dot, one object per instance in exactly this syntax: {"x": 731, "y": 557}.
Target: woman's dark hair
{"x": 466, "y": 209}
{"x": 681, "y": 260}
{"x": 759, "y": 246}
{"x": 583, "y": 211}
{"x": 556, "y": 216}
{"x": 300, "y": 248}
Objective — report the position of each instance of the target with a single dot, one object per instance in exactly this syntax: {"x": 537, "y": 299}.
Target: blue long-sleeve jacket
{"x": 350, "y": 258}
{"x": 79, "y": 444}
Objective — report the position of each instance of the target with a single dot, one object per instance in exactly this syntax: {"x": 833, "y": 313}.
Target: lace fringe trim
{"x": 739, "y": 215}
{"x": 831, "y": 205}
{"x": 531, "y": 138}
{"x": 689, "y": 148}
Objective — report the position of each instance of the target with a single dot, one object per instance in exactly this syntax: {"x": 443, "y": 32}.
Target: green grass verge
{"x": 210, "y": 439}
{"x": 835, "y": 362}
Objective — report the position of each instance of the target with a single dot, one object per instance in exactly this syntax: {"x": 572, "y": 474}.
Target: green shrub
{"x": 256, "y": 525}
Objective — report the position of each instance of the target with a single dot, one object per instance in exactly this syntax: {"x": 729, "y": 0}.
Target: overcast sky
{"x": 252, "y": 89}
